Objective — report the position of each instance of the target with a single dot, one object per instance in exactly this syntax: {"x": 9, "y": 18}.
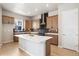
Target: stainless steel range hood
{"x": 43, "y": 22}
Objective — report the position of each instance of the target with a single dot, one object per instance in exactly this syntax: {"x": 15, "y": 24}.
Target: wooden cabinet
{"x": 49, "y": 42}
{"x": 56, "y": 51}
{"x": 53, "y": 40}
{"x": 7, "y": 20}
{"x": 52, "y": 23}
{"x": 15, "y": 39}
{"x": 28, "y": 25}
{"x": 49, "y": 22}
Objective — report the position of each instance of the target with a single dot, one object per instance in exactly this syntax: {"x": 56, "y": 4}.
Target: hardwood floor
{"x": 56, "y": 51}
{"x": 12, "y": 49}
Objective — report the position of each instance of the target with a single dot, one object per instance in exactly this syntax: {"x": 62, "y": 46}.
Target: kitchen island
{"x": 34, "y": 45}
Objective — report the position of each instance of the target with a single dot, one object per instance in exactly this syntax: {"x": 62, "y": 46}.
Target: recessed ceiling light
{"x": 47, "y": 5}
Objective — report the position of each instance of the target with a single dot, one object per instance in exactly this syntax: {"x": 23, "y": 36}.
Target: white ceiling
{"x": 29, "y": 9}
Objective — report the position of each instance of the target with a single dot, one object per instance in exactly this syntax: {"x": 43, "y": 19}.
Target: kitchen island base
{"x": 33, "y": 45}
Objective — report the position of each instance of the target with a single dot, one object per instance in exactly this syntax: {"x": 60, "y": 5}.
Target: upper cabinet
{"x": 28, "y": 25}
{"x": 52, "y": 23}
{"x": 7, "y": 20}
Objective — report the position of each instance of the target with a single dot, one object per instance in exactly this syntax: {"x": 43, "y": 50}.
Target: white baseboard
{"x": 26, "y": 51}
{"x": 60, "y": 46}
{"x": 77, "y": 50}
{"x": 69, "y": 49}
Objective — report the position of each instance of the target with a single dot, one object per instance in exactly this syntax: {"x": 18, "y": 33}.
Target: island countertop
{"x": 34, "y": 38}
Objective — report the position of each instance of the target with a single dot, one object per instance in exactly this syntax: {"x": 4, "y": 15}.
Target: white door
{"x": 70, "y": 29}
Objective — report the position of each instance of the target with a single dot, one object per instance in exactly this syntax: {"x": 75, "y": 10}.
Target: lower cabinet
{"x": 53, "y": 40}
{"x": 15, "y": 39}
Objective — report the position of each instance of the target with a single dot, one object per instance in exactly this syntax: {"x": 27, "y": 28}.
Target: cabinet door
{"x": 28, "y": 24}
{"x": 70, "y": 29}
{"x": 11, "y": 21}
{"x": 7, "y": 20}
{"x": 53, "y": 40}
{"x": 49, "y": 22}
{"x": 55, "y": 23}
{"x": 52, "y": 23}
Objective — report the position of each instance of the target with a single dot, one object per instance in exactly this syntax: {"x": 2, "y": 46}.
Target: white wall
{"x": 36, "y": 21}
{"x": 36, "y": 24}
{"x": 0, "y": 25}
{"x": 37, "y": 17}
{"x": 64, "y": 7}
{"x": 52, "y": 13}
{"x": 67, "y": 6}
{"x": 7, "y": 35}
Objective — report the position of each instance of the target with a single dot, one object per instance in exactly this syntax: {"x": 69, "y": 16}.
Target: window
{"x": 18, "y": 24}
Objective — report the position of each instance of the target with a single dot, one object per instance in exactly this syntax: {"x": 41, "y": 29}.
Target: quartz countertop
{"x": 35, "y": 38}
{"x": 52, "y": 33}
{"x": 47, "y": 33}
{"x": 38, "y": 32}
